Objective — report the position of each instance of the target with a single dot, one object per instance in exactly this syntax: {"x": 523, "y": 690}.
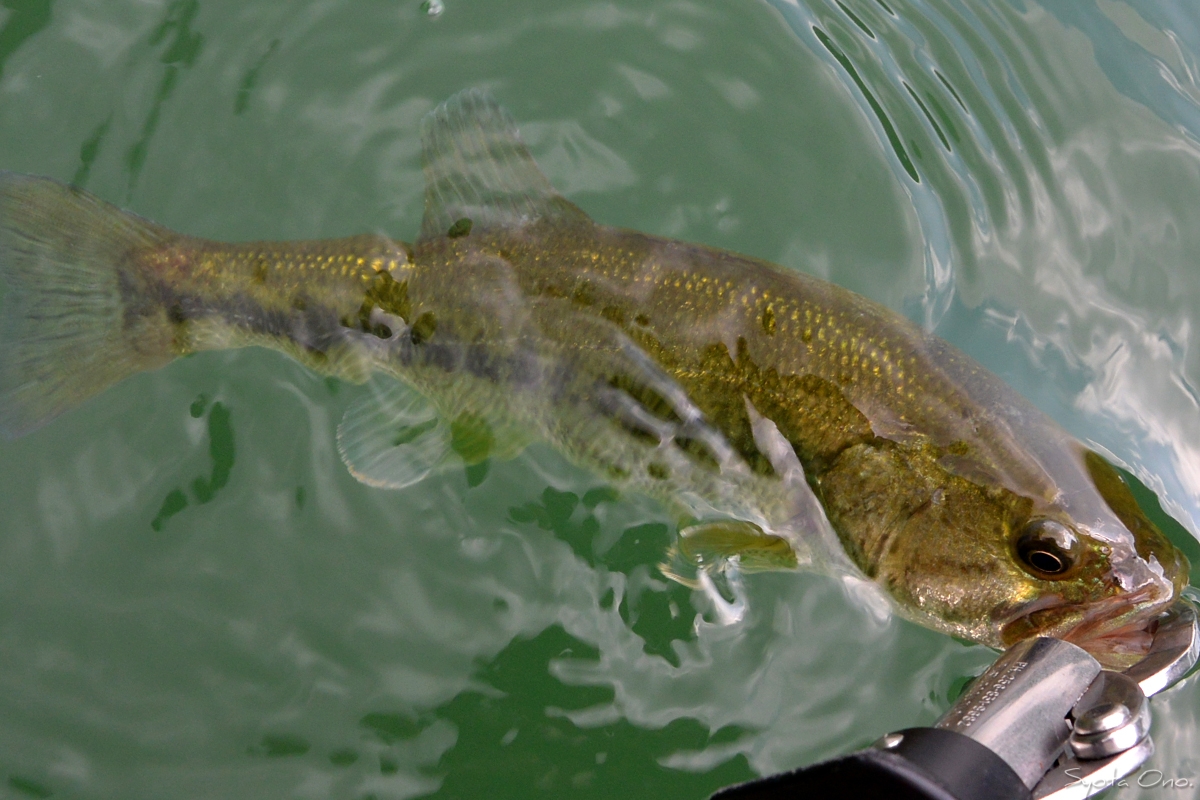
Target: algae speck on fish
{"x": 784, "y": 421}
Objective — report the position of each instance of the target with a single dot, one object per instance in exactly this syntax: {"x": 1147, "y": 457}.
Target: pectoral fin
{"x": 712, "y": 556}
{"x": 707, "y": 545}
{"x": 478, "y": 173}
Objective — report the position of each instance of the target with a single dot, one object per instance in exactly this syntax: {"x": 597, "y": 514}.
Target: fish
{"x": 784, "y": 422}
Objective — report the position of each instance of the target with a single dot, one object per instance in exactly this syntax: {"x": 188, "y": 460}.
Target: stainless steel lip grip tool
{"x": 1044, "y": 722}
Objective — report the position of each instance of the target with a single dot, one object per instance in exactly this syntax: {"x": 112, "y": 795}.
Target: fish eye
{"x": 1047, "y": 549}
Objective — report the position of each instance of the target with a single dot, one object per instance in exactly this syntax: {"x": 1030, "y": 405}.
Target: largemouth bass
{"x": 786, "y": 422}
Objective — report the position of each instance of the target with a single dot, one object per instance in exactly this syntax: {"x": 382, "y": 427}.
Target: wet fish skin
{"x": 727, "y": 387}
{"x": 297, "y": 296}
{"x": 731, "y": 331}
{"x": 912, "y": 449}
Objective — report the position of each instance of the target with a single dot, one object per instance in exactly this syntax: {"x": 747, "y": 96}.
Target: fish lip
{"x": 1117, "y": 630}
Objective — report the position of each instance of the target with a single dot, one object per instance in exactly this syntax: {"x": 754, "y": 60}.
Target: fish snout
{"x": 1117, "y": 628}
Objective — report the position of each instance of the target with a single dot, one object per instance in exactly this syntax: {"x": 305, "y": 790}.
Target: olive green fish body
{"x": 761, "y": 405}
{"x": 925, "y": 464}
{"x": 300, "y": 297}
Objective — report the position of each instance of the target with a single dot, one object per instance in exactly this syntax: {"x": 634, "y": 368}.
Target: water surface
{"x": 196, "y": 599}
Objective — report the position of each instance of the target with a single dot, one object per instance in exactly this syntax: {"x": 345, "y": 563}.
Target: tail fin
{"x": 66, "y": 332}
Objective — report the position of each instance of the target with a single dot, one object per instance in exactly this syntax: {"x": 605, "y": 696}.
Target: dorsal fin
{"x": 478, "y": 169}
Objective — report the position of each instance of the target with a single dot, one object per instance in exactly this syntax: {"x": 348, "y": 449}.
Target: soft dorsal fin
{"x": 477, "y": 168}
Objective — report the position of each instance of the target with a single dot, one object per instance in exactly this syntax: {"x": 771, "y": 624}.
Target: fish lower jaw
{"x": 1120, "y": 640}
{"x": 1121, "y": 648}
{"x": 1117, "y": 632}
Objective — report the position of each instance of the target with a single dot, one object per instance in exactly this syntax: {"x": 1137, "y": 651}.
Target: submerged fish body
{"x": 785, "y": 421}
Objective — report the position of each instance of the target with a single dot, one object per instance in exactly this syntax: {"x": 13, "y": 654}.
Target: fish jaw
{"x": 1116, "y": 630}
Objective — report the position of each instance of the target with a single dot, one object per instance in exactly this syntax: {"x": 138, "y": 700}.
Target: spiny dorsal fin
{"x": 477, "y": 169}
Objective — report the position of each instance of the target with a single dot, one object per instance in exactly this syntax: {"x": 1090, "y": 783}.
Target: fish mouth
{"x": 1117, "y": 631}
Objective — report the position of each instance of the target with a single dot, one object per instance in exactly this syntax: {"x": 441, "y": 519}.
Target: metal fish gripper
{"x": 1044, "y": 722}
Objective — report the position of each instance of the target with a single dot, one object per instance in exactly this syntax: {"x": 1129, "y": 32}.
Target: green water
{"x": 197, "y": 600}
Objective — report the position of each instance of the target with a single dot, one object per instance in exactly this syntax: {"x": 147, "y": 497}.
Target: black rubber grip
{"x": 927, "y": 764}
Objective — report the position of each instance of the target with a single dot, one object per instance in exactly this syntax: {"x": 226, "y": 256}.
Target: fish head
{"x": 989, "y": 564}
{"x": 1117, "y": 574}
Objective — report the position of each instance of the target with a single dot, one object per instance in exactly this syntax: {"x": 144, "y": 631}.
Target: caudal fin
{"x": 66, "y": 329}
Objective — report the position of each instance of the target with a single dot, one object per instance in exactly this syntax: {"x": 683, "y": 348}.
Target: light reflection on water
{"x": 1022, "y": 176}
{"x": 1071, "y": 210}
{"x": 1070, "y": 207}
